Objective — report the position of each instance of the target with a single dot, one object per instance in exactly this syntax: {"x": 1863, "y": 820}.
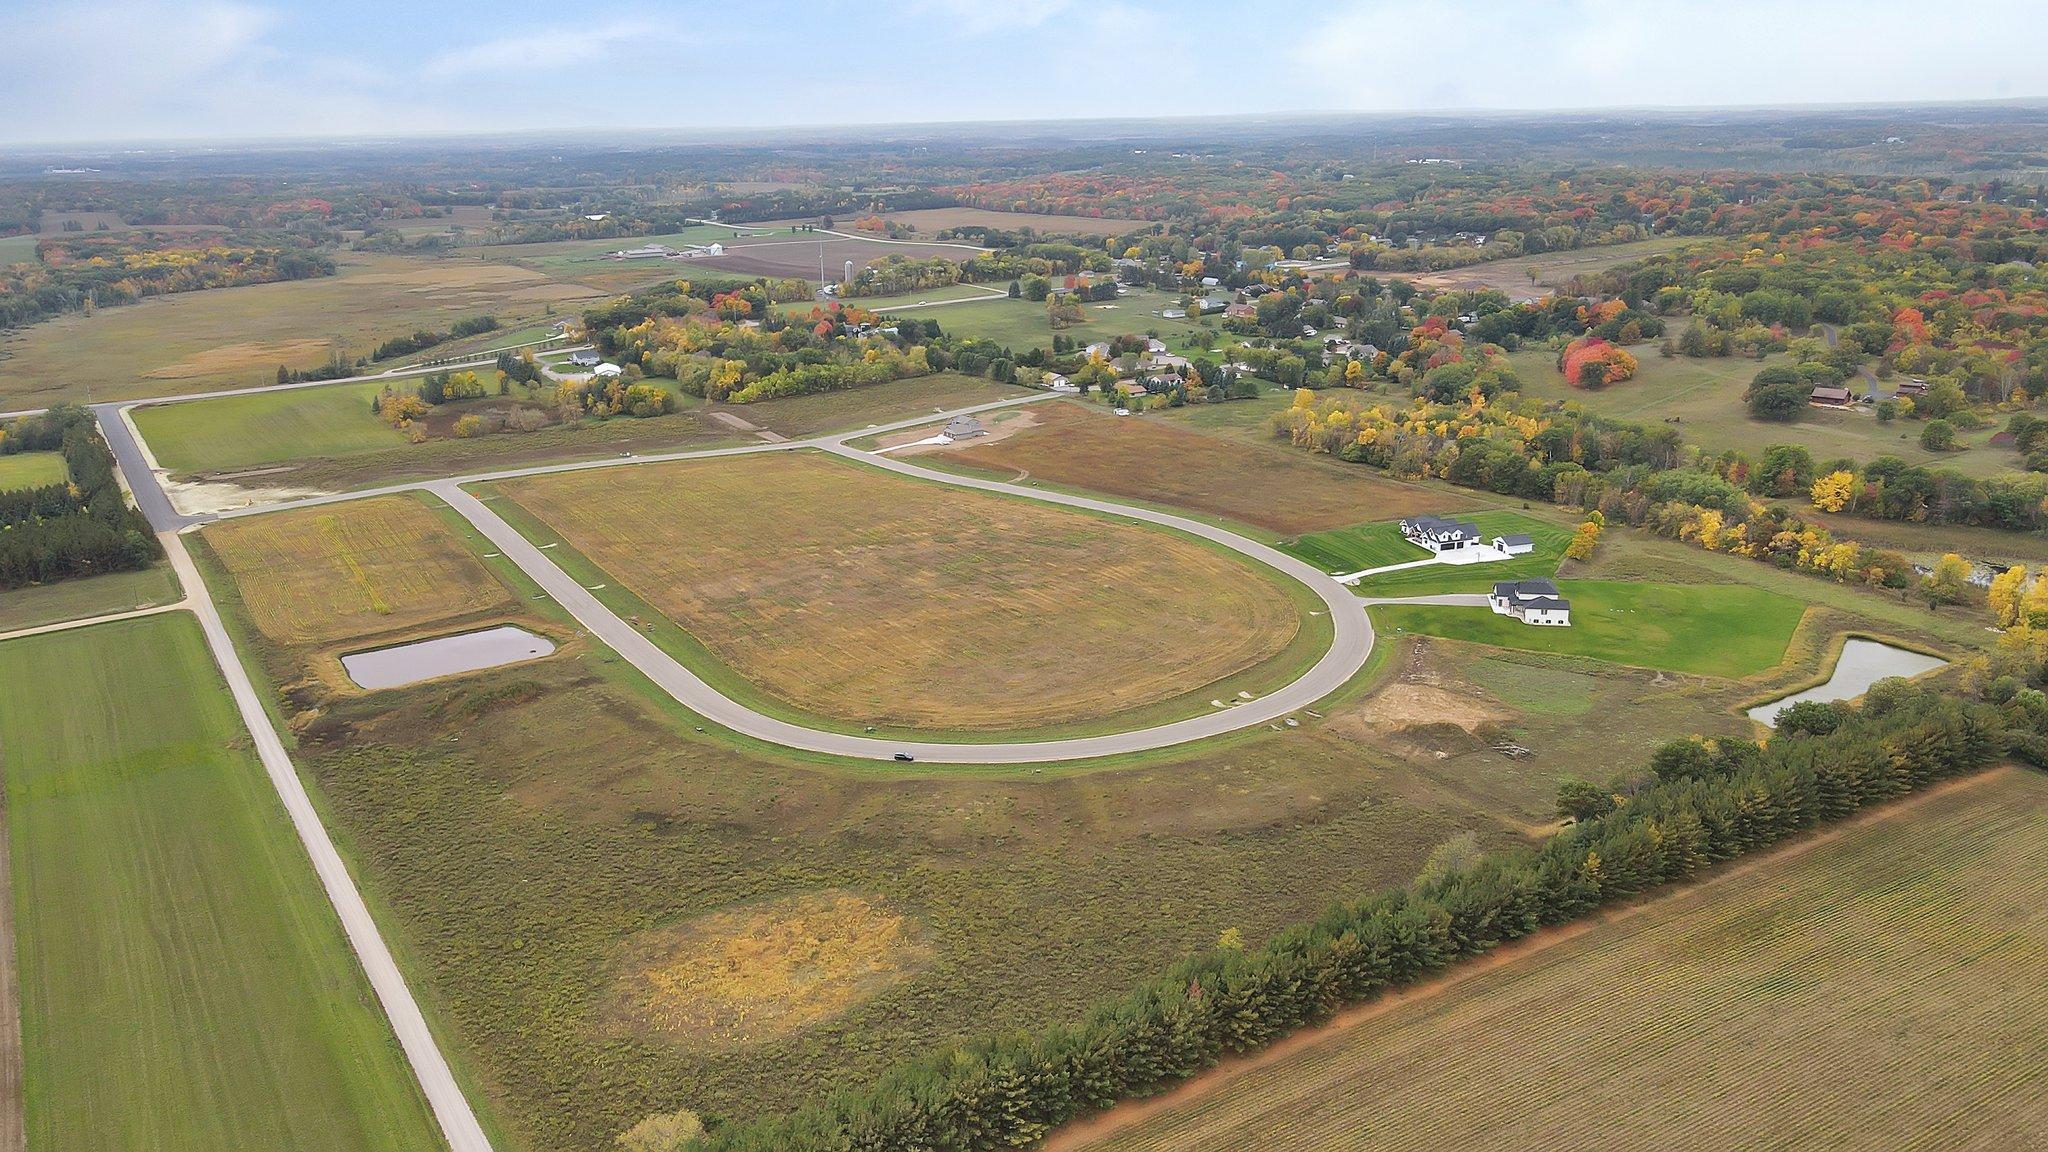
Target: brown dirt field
{"x": 353, "y": 572}
{"x": 239, "y": 358}
{"x": 1274, "y": 488}
{"x": 930, "y": 220}
{"x": 868, "y": 598}
{"x": 1868, "y": 986}
{"x": 757, "y": 972}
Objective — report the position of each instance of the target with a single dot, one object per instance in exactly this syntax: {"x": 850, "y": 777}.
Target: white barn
{"x": 1514, "y": 545}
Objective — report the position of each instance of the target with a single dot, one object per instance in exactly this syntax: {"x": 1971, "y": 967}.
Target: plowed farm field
{"x": 1877, "y": 987}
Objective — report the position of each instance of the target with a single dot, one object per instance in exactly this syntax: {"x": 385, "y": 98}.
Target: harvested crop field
{"x": 866, "y": 598}
{"x": 237, "y": 337}
{"x": 1275, "y": 488}
{"x": 1876, "y": 988}
{"x": 353, "y": 571}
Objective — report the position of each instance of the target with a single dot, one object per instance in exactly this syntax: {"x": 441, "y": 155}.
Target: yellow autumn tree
{"x": 2037, "y": 602}
{"x": 1832, "y": 492}
{"x": 1583, "y": 542}
{"x": 2007, "y": 595}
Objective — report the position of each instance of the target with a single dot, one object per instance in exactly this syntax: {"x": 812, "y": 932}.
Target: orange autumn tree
{"x": 1590, "y": 362}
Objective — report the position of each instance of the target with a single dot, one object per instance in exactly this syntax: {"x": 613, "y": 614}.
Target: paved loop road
{"x": 1351, "y": 644}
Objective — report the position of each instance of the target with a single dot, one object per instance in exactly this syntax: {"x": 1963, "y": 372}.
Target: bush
{"x": 1938, "y": 436}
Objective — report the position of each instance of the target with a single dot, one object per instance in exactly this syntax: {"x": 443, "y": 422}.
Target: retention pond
{"x": 444, "y": 656}
{"x": 1863, "y": 663}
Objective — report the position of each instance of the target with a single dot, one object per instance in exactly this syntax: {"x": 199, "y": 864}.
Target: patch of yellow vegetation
{"x": 353, "y": 571}
{"x": 767, "y": 970}
{"x": 241, "y": 356}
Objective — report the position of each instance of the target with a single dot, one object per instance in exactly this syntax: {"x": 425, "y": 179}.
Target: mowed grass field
{"x": 32, "y": 470}
{"x": 237, "y": 337}
{"x": 268, "y": 427}
{"x": 184, "y": 983}
{"x": 868, "y": 598}
{"x": 1020, "y": 324}
{"x": 1266, "y": 486}
{"x": 1707, "y": 629}
{"x": 1703, "y": 399}
{"x": 353, "y": 571}
{"x": 1877, "y": 989}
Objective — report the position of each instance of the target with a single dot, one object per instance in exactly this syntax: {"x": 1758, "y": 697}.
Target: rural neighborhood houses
{"x": 1532, "y": 602}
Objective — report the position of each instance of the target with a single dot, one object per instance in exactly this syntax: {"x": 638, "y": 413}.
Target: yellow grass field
{"x": 353, "y": 571}
{"x": 1878, "y": 988}
{"x": 864, "y": 597}
{"x": 236, "y": 337}
{"x": 1262, "y": 484}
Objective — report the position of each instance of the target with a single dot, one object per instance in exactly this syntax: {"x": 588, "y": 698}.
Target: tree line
{"x": 1697, "y": 804}
{"x": 83, "y": 527}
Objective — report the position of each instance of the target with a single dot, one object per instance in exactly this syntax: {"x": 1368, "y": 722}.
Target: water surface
{"x": 444, "y": 656}
{"x": 1863, "y": 663}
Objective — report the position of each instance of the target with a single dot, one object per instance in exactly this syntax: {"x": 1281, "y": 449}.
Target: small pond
{"x": 444, "y": 656}
{"x": 1863, "y": 663}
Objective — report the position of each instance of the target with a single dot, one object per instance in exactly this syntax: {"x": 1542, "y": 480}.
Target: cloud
{"x": 1376, "y": 54}
{"x": 558, "y": 47}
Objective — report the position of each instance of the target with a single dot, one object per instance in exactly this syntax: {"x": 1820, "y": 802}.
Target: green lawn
{"x": 1022, "y": 324}
{"x": 267, "y": 428}
{"x": 17, "y": 250}
{"x": 184, "y": 983}
{"x": 1373, "y": 545}
{"x": 93, "y": 596}
{"x": 1707, "y": 629}
{"x": 1703, "y": 399}
{"x": 32, "y": 470}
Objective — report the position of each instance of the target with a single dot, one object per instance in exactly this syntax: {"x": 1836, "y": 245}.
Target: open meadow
{"x": 1076, "y": 444}
{"x": 32, "y": 470}
{"x": 103, "y": 595}
{"x": 327, "y": 439}
{"x": 1702, "y": 398}
{"x": 184, "y": 983}
{"x": 1532, "y": 277}
{"x": 929, "y": 221}
{"x": 1019, "y": 324}
{"x": 237, "y": 337}
{"x": 1875, "y": 986}
{"x": 870, "y": 599}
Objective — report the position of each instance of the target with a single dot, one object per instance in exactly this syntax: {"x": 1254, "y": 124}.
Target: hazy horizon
{"x": 146, "y": 71}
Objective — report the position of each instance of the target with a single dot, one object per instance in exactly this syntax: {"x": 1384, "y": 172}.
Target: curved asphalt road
{"x": 1351, "y": 644}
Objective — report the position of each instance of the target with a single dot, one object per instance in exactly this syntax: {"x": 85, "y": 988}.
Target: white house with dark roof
{"x": 1532, "y": 602}
{"x": 1440, "y": 535}
{"x": 1514, "y": 545}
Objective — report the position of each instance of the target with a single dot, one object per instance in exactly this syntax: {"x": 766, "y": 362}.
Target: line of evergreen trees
{"x": 80, "y": 528}
{"x": 1700, "y": 804}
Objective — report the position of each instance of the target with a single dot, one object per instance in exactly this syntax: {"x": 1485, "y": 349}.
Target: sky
{"x": 138, "y": 70}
